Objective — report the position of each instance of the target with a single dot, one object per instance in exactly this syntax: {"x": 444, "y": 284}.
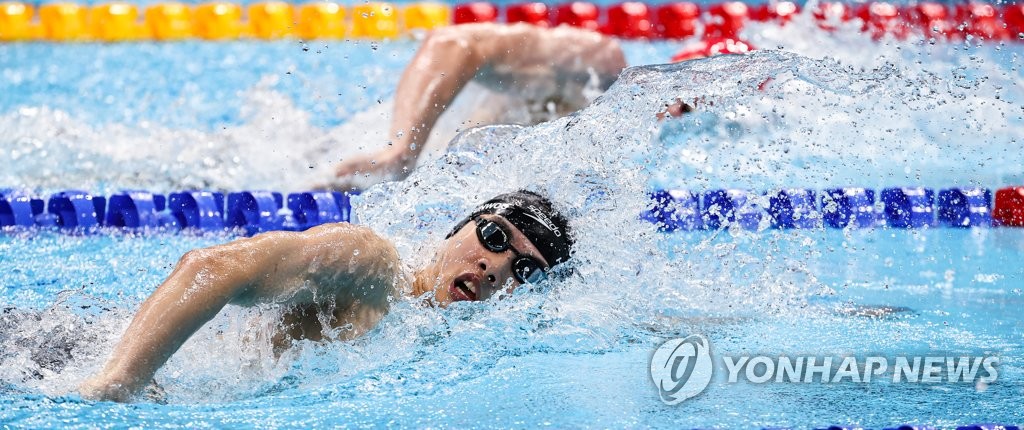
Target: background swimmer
{"x": 534, "y": 74}
{"x": 542, "y": 73}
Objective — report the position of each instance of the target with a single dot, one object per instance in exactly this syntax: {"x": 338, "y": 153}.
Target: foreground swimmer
{"x": 341, "y": 274}
{"x": 553, "y": 71}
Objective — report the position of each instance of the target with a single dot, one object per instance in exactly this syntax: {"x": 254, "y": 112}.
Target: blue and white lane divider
{"x": 909, "y": 207}
{"x": 258, "y": 211}
{"x": 250, "y": 211}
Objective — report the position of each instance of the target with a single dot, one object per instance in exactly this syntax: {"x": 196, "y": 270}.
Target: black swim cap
{"x": 533, "y": 215}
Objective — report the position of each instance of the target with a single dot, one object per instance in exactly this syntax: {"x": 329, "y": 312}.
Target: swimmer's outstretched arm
{"x": 338, "y": 261}
{"x": 450, "y": 57}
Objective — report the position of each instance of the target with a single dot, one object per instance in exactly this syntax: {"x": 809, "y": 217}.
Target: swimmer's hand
{"x": 104, "y": 388}
{"x": 364, "y": 170}
{"x": 101, "y": 388}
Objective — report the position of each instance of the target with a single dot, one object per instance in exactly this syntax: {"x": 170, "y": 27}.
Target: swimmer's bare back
{"x": 519, "y": 57}
{"x": 346, "y": 268}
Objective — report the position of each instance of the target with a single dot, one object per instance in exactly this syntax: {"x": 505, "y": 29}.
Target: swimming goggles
{"x": 526, "y": 270}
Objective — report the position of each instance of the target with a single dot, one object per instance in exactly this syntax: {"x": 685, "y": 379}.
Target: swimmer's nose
{"x": 490, "y": 274}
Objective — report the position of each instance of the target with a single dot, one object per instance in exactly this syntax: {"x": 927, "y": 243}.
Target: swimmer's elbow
{"x": 193, "y": 259}
{"x": 472, "y": 45}
{"x": 204, "y": 258}
{"x": 224, "y": 268}
{"x": 447, "y": 43}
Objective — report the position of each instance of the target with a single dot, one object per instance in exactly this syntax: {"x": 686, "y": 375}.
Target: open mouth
{"x": 464, "y": 287}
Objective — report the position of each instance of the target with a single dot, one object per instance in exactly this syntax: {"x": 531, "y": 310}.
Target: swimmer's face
{"x": 466, "y": 270}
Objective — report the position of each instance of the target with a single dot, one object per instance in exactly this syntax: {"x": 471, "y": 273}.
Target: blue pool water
{"x": 276, "y": 115}
{"x": 529, "y": 362}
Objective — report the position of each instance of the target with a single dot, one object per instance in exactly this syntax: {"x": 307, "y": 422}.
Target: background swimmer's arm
{"x": 449, "y": 59}
{"x": 323, "y": 263}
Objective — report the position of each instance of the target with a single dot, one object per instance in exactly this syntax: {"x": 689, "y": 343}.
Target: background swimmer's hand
{"x": 364, "y": 170}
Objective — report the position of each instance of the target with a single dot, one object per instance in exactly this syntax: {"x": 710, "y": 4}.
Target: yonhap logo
{"x": 681, "y": 368}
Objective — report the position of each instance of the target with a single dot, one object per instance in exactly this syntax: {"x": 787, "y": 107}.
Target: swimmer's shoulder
{"x": 348, "y": 233}
{"x": 354, "y": 269}
{"x": 368, "y": 272}
{"x": 363, "y": 247}
{"x": 342, "y": 260}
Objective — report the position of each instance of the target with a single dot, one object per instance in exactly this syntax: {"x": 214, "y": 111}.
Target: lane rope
{"x": 272, "y": 20}
{"x": 252, "y": 212}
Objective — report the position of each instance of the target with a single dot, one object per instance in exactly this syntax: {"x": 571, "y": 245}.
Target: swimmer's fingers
{"x": 155, "y": 393}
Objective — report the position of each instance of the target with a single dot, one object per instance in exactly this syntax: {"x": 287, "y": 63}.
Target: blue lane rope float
{"x": 203, "y": 210}
{"x": 76, "y": 209}
{"x": 255, "y": 211}
{"x": 848, "y": 206}
{"x": 965, "y": 207}
{"x": 315, "y": 208}
{"x": 18, "y": 209}
{"x": 258, "y": 211}
{"x": 135, "y": 209}
{"x": 908, "y": 207}
{"x": 794, "y": 208}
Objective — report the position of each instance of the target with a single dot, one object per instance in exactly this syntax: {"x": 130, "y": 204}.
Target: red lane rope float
{"x": 713, "y": 46}
{"x": 578, "y": 14}
{"x": 117, "y": 21}
{"x": 678, "y": 20}
{"x": 631, "y": 20}
{"x": 1009, "y": 207}
{"x": 535, "y": 13}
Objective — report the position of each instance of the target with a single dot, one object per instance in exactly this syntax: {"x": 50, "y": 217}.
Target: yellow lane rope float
{"x": 217, "y": 20}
